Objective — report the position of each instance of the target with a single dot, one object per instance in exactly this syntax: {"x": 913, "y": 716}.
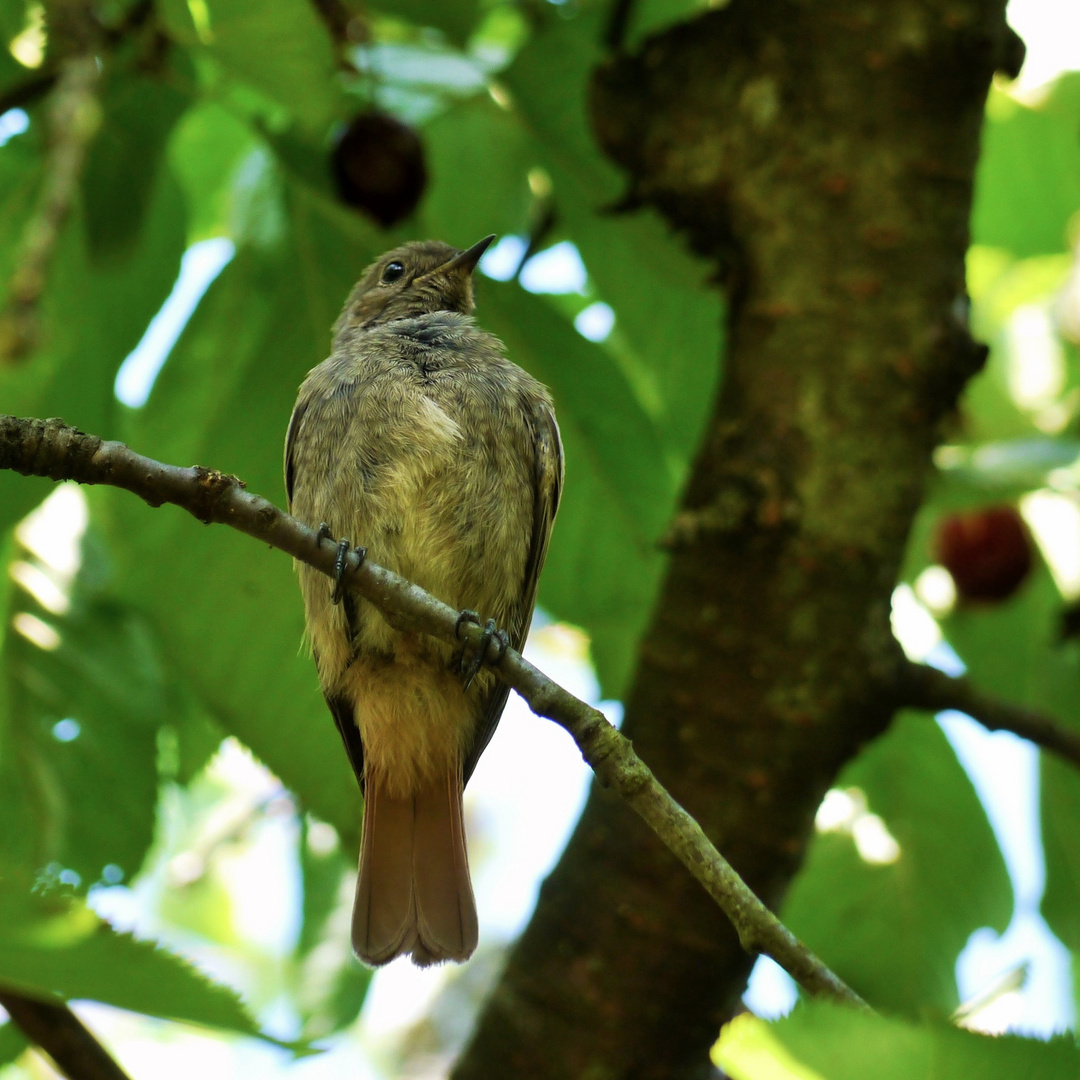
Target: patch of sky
{"x": 13, "y": 122}
{"x": 66, "y": 730}
{"x": 557, "y": 269}
{"x": 595, "y": 322}
{"x": 423, "y": 65}
{"x": 199, "y": 267}
{"x": 1051, "y": 32}
{"x": 502, "y": 259}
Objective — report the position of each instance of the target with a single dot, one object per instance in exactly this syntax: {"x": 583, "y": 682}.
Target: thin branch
{"x": 63, "y": 1036}
{"x": 74, "y": 118}
{"x": 53, "y": 449}
{"x": 24, "y": 94}
{"x": 618, "y": 23}
{"x": 927, "y": 688}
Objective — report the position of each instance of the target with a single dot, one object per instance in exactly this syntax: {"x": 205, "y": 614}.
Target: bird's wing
{"x": 342, "y": 711}
{"x": 340, "y": 708}
{"x": 548, "y": 480}
{"x": 290, "y": 444}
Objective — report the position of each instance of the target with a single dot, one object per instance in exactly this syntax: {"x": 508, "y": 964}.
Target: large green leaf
{"x": 823, "y": 1041}
{"x": 281, "y": 50}
{"x": 1013, "y": 649}
{"x": 330, "y": 986}
{"x": 893, "y": 930}
{"x": 632, "y": 409}
{"x": 649, "y": 17}
{"x": 669, "y": 319}
{"x": 51, "y": 946}
{"x": 205, "y": 152}
{"x": 12, "y": 1043}
{"x": 476, "y": 143}
{"x": 91, "y": 316}
{"x": 228, "y": 611}
{"x": 80, "y": 776}
{"x": 1028, "y": 180}
{"x": 1060, "y": 797}
{"x": 12, "y": 20}
{"x": 603, "y": 565}
{"x": 456, "y": 18}
{"x": 126, "y": 158}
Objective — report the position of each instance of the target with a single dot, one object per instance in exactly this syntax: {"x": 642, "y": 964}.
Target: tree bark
{"x": 822, "y": 155}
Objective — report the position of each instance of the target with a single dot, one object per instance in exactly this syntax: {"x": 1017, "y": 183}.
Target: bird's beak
{"x": 468, "y": 258}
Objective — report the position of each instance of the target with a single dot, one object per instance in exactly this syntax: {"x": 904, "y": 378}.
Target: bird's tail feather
{"x": 413, "y": 893}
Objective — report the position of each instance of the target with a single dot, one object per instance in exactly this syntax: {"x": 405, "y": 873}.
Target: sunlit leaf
{"x": 824, "y": 1041}
{"x": 125, "y": 160}
{"x": 892, "y": 922}
{"x": 225, "y": 396}
{"x": 50, "y": 946}
{"x": 1028, "y": 180}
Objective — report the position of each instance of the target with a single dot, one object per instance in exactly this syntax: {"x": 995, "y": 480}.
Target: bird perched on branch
{"x": 418, "y": 438}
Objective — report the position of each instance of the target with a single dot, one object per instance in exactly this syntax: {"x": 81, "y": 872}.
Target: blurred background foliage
{"x": 148, "y": 666}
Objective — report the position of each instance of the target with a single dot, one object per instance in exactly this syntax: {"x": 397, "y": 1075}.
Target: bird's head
{"x": 414, "y": 279}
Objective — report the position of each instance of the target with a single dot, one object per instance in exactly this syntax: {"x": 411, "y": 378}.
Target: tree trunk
{"x": 823, "y": 155}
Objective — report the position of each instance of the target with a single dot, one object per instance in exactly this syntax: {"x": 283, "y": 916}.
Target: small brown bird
{"x": 420, "y": 439}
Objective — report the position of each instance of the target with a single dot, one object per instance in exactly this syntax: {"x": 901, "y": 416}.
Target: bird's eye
{"x": 392, "y": 272}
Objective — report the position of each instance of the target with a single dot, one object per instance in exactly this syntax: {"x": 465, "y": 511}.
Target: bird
{"x": 418, "y": 437}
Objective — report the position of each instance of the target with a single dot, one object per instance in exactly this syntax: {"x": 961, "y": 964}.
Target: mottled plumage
{"x": 418, "y": 439}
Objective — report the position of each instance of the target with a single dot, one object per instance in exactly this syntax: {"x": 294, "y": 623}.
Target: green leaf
{"x": 668, "y": 317}
{"x": 1060, "y": 798}
{"x": 1012, "y": 649}
{"x": 330, "y": 986}
{"x": 12, "y": 21}
{"x": 50, "y": 946}
{"x": 476, "y": 141}
{"x": 12, "y": 1043}
{"x": 205, "y": 152}
{"x": 82, "y": 795}
{"x": 627, "y": 453}
{"x": 91, "y": 317}
{"x": 649, "y": 17}
{"x": 1028, "y": 181}
{"x": 228, "y": 611}
{"x": 824, "y": 1041}
{"x": 456, "y": 18}
{"x": 125, "y": 159}
{"x": 603, "y": 565}
{"x": 548, "y": 82}
{"x": 282, "y": 50}
{"x": 670, "y": 321}
{"x": 893, "y": 931}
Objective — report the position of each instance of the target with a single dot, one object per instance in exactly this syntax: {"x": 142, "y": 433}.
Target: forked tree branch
{"x": 63, "y": 1036}
{"x": 924, "y": 687}
{"x": 51, "y": 448}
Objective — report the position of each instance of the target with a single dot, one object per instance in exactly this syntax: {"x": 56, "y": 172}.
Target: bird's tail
{"x": 413, "y": 893}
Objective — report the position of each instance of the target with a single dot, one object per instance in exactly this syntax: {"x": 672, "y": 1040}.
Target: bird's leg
{"x": 322, "y": 533}
{"x": 341, "y": 564}
{"x": 472, "y": 659}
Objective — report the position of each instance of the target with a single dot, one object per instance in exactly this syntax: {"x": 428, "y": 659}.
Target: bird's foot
{"x": 473, "y": 657}
{"x": 341, "y": 564}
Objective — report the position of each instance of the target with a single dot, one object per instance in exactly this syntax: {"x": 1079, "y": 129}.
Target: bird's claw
{"x": 472, "y": 659}
{"x": 341, "y": 564}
